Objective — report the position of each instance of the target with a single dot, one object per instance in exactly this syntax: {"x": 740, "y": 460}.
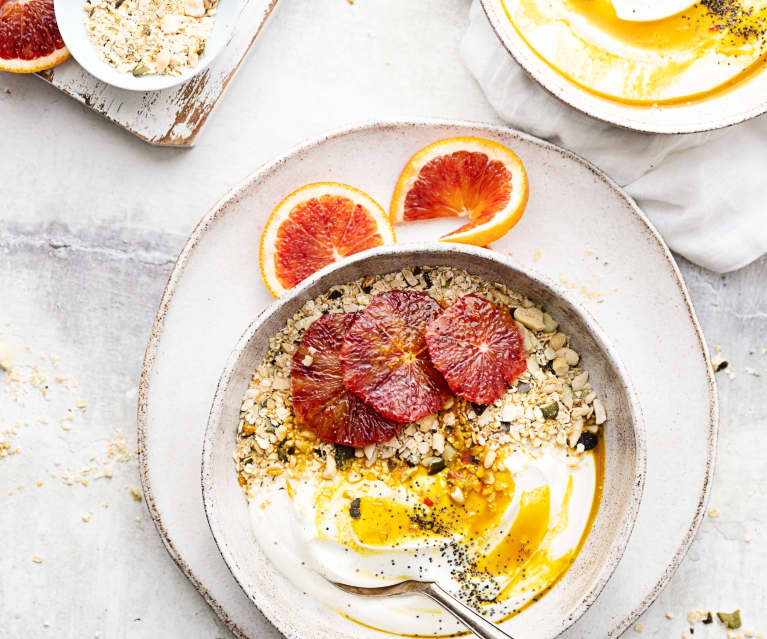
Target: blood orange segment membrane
{"x": 478, "y": 347}
{"x": 320, "y": 400}
{"x": 459, "y": 184}
{"x": 385, "y": 360}
{"x": 463, "y": 177}
{"x": 315, "y": 226}
{"x": 29, "y": 36}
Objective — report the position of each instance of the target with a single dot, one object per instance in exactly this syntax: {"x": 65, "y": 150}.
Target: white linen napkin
{"x": 705, "y": 192}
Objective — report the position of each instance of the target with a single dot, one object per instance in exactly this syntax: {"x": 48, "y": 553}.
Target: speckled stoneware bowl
{"x": 737, "y": 104}
{"x": 226, "y": 506}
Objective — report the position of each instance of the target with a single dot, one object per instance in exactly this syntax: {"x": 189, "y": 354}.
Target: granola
{"x": 146, "y": 37}
{"x": 552, "y": 403}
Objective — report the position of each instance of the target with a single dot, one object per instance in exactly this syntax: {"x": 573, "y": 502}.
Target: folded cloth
{"x": 703, "y": 191}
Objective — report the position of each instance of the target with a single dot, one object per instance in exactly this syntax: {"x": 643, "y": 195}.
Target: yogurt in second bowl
{"x": 492, "y": 501}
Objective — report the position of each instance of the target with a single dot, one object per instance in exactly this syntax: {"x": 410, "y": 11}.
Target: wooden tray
{"x": 175, "y": 116}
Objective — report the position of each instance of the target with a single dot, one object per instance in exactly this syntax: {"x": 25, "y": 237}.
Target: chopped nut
{"x": 600, "y": 413}
{"x": 532, "y": 318}
{"x": 330, "y": 467}
{"x": 579, "y": 381}
{"x": 557, "y": 341}
{"x": 570, "y": 356}
{"x": 560, "y": 367}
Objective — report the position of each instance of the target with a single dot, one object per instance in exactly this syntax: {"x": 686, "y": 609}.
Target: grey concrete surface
{"x": 90, "y": 223}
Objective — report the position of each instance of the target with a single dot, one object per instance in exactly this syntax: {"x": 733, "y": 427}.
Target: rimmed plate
{"x": 738, "y": 104}
{"x": 71, "y": 20}
{"x": 580, "y": 229}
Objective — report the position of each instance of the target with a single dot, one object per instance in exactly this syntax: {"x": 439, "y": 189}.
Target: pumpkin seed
{"x": 550, "y": 411}
{"x": 730, "y": 619}
{"x": 436, "y": 466}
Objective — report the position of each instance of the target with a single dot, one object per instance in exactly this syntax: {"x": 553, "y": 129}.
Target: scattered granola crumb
{"x": 751, "y": 371}
{"x": 37, "y": 559}
{"x": 537, "y": 255}
{"x": 86, "y": 518}
{"x": 80, "y": 403}
{"x": 639, "y": 627}
{"x": 6, "y": 359}
{"x": 135, "y": 494}
{"x": 669, "y": 615}
{"x": 713, "y": 512}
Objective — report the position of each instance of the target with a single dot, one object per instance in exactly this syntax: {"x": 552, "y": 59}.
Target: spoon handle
{"x": 471, "y": 619}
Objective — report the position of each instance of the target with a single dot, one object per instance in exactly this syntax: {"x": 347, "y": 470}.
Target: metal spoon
{"x": 471, "y": 619}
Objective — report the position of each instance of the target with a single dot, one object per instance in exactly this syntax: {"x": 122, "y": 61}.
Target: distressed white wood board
{"x": 175, "y": 116}
{"x": 579, "y": 228}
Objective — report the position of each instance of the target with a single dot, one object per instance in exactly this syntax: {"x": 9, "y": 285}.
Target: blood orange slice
{"x": 385, "y": 360}
{"x": 315, "y": 226}
{"x": 320, "y": 400}
{"x": 478, "y": 347}
{"x": 463, "y": 177}
{"x": 29, "y": 36}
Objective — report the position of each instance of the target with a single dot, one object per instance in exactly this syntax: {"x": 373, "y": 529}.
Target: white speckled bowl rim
{"x": 739, "y": 104}
{"x": 477, "y": 128}
{"x": 627, "y": 489}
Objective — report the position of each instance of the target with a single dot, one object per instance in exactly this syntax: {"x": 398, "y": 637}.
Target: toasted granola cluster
{"x": 551, "y": 403}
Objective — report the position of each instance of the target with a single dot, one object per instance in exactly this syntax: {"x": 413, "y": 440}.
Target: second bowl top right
{"x": 689, "y": 67}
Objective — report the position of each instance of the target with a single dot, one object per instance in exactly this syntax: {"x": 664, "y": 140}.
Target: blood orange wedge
{"x": 463, "y": 177}
{"x": 315, "y": 226}
{"x": 320, "y": 400}
{"x": 385, "y": 360}
{"x": 29, "y": 36}
{"x": 477, "y": 346}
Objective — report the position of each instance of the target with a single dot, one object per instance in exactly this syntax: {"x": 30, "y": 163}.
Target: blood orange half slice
{"x": 385, "y": 360}
{"x": 315, "y": 226}
{"x": 478, "y": 347}
{"x": 29, "y": 36}
{"x": 463, "y": 177}
{"x": 320, "y": 400}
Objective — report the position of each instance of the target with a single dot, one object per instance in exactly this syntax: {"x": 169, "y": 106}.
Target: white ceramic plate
{"x": 746, "y": 100}
{"x": 71, "y": 19}
{"x": 580, "y": 229}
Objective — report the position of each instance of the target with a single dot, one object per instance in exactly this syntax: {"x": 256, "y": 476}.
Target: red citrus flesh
{"x": 29, "y": 36}
{"x": 385, "y": 360}
{"x": 320, "y": 231}
{"x": 478, "y": 347}
{"x": 320, "y": 400}
{"x": 458, "y": 183}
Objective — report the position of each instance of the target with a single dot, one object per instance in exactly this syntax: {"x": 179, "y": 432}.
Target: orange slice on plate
{"x": 463, "y": 177}
{"x": 29, "y": 36}
{"x": 317, "y": 225}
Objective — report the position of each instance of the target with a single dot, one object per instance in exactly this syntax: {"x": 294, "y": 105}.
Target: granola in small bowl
{"x": 150, "y": 37}
{"x": 365, "y": 455}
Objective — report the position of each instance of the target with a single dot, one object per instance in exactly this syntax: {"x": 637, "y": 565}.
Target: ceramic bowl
{"x": 71, "y": 19}
{"x": 737, "y": 104}
{"x": 226, "y": 506}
